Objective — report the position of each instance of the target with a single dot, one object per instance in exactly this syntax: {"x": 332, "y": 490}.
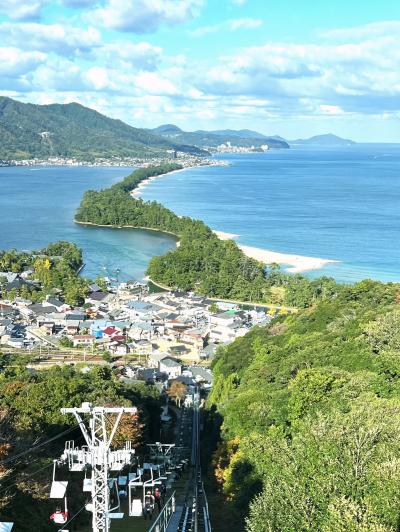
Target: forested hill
{"x": 310, "y": 412}
{"x": 212, "y": 139}
{"x": 72, "y": 130}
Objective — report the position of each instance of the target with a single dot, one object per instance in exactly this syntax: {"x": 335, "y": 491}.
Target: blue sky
{"x": 294, "y": 68}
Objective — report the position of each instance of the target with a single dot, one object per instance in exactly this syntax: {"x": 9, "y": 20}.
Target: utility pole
{"x": 102, "y": 425}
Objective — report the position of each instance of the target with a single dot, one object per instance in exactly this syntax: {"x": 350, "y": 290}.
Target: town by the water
{"x": 149, "y": 336}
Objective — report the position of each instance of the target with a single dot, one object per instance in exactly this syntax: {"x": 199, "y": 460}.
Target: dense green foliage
{"x": 30, "y": 414}
{"x": 54, "y": 267}
{"x": 71, "y": 130}
{"x": 201, "y": 262}
{"x": 311, "y": 417}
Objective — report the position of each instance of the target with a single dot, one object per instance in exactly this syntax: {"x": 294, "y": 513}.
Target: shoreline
{"x": 137, "y": 191}
{"x": 296, "y": 263}
{"x": 130, "y": 227}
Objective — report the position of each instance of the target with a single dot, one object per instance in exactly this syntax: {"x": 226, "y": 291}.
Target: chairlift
{"x": 58, "y": 491}
{"x": 6, "y": 527}
{"x": 60, "y": 517}
{"x": 87, "y": 483}
{"x": 115, "y": 511}
{"x": 135, "y": 480}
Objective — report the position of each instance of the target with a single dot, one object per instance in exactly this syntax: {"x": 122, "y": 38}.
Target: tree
{"x": 177, "y": 391}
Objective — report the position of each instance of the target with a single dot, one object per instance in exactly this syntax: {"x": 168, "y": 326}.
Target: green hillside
{"x": 71, "y": 130}
{"x": 310, "y": 414}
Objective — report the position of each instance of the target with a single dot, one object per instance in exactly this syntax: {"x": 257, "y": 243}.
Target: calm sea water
{"x": 37, "y": 206}
{"x": 342, "y": 204}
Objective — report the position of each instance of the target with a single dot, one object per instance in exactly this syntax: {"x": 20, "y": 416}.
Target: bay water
{"x": 338, "y": 203}
{"x": 38, "y": 204}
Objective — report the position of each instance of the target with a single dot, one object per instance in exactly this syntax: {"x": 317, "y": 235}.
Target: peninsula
{"x": 202, "y": 262}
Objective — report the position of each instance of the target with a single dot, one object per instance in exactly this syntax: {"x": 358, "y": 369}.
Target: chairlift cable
{"x": 35, "y": 447}
{"x": 5, "y": 488}
{"x": 78, "y": 512}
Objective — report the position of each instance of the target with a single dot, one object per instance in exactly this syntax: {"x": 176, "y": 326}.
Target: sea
{"x": 37, "y": 206}
{"x": 333, "y": 203}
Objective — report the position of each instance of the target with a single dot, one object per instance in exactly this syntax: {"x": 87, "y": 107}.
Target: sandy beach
{"x": 296, "y": 263}
{"x": 293, "y": 263}
{"x": 136, "y": 192}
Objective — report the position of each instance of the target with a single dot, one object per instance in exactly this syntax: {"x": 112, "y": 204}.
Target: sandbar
{"x": 295, "y": 263}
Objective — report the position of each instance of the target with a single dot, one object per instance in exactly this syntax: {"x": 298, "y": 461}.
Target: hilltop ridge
{"x": 72, "y": 130}
{"x": 329, "y": 139}
{"x": 213, "y": 139}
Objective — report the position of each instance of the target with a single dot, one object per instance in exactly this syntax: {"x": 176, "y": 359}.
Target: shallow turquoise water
{"x": 341, "y": 204}
{"x": 37, "y": 206}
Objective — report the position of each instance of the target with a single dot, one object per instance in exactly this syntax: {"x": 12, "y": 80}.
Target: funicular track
{"x": 194, "y": 515}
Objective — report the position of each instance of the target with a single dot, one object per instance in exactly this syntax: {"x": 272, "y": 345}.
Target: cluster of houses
{"x": 129, "y": 320}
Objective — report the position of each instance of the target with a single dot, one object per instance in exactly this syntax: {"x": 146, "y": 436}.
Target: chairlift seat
{"x": 117, "y": 466}
{"x": 87, "y": 485}
{"x": 6, "y": 527}
{"x": 115, "y": 515}
{"x": 77, "y": 467}
{"x": 136, "y": 509}
{"x": 58, "y": 489}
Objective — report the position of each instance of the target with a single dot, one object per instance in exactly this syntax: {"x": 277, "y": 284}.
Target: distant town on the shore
{"x": 71, "y": 134}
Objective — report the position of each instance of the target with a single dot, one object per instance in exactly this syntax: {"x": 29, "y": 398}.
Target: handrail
{"x": 207, "y": 521}
{"x": 164, "y": 517}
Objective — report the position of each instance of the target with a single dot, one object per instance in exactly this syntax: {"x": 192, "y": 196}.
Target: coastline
{"x": 296, "y": 263}
{"x": 137, "y": 191}
{"x": 129, "y": 227}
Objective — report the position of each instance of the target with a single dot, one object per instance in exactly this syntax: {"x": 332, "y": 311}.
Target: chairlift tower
{"x": 102, "y": 426}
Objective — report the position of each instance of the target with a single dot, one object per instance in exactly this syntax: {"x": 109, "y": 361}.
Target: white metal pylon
{"x": 99, "y": 436}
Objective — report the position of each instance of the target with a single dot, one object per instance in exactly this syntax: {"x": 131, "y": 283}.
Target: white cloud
{"x": 59, "y": 38}
{"x": 331, "y": 109}
{"x": 355, "y": 77}
{"x": 336, "y": 80}
{"x": 78, "y": 3}
{"x": 14, "y": 62}
{"x": 142, "y": 55}
{"x": 228, "y": 25}
{"x": 22, "y": 10}
{"x": 366, "y": 31}
{"x": 145, "y": 16}
{"x": 155, "y": 84}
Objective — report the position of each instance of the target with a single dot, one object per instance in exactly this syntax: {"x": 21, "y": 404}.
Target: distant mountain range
{"x": 323, "y": 140}
{"x": 72, "y": 130}
{"x": 243, "y": 137}
{"x": 212, "y": 139}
